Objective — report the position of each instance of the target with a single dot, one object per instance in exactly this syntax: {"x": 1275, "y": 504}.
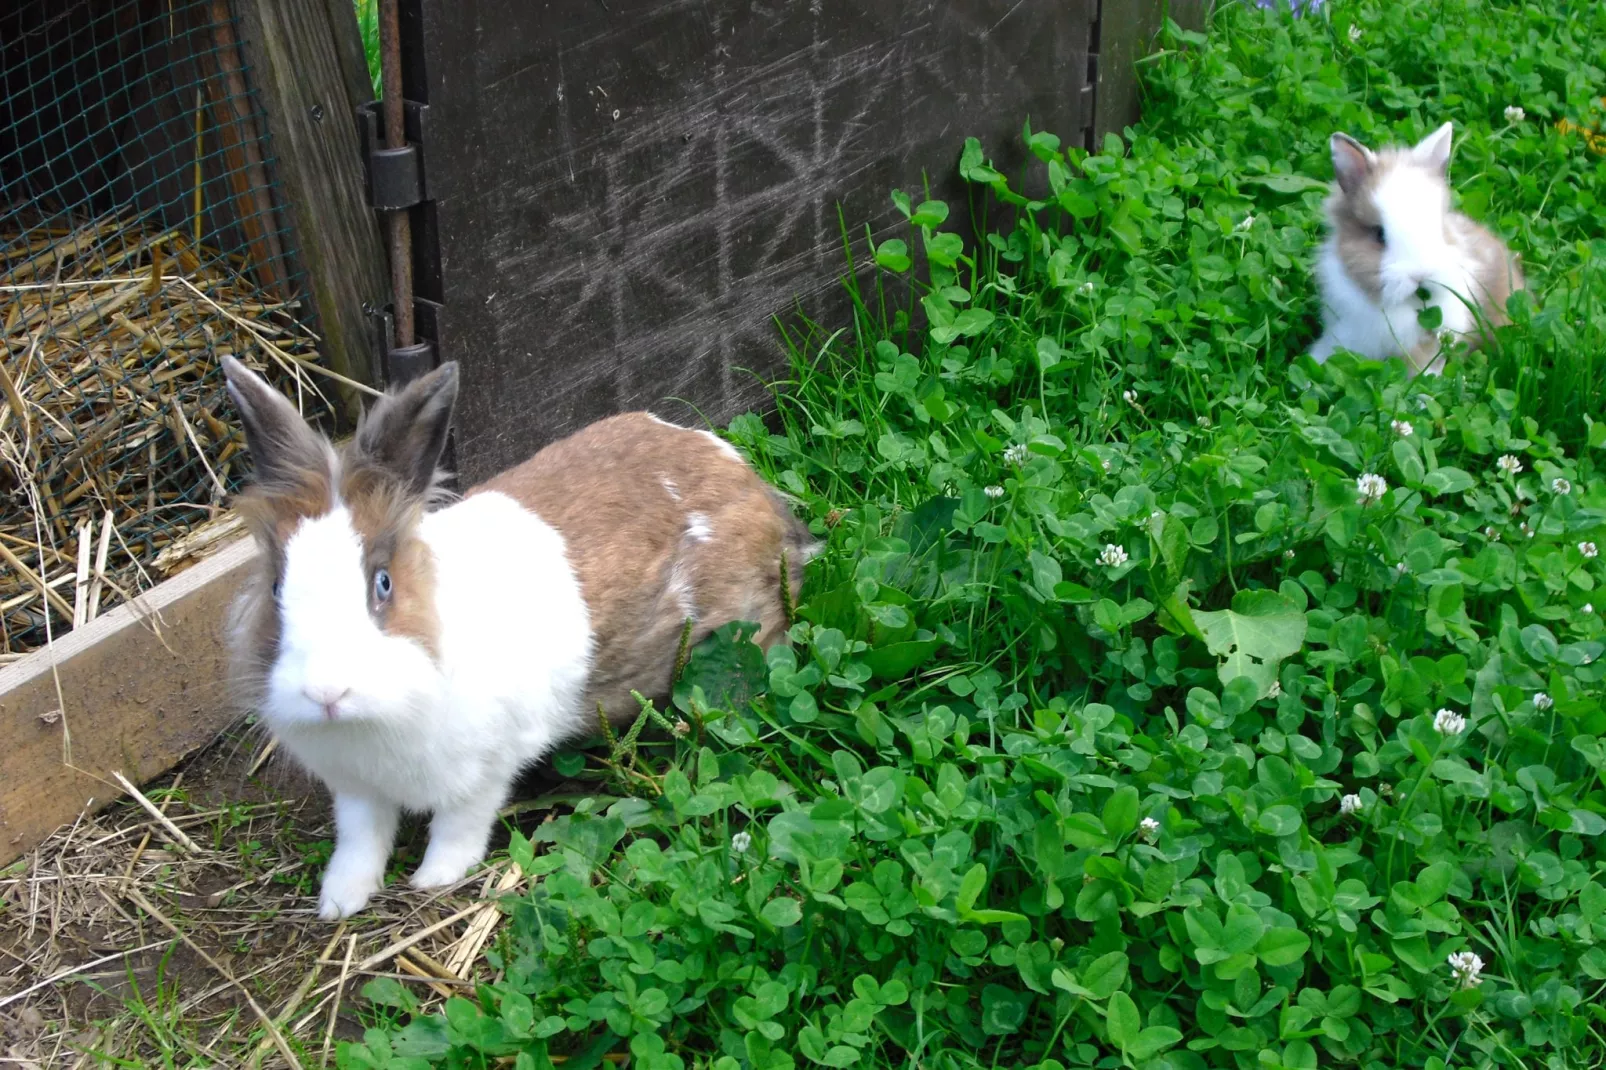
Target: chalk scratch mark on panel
{"x": 646, "y": 257}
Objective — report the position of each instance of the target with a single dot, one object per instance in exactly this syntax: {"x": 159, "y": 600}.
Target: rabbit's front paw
{"x": 441, "y": 868}
{"x": 346, "y": 889}
{"x": 457, "y": 839}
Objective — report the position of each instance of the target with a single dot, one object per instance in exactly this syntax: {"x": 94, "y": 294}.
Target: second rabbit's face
{"x": 1391, "y": 219}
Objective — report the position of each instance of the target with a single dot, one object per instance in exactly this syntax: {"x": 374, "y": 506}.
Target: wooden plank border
{"x": 131, "y": 692}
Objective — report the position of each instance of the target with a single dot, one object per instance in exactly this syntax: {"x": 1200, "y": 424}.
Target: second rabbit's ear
{"x": 1434, "y": 150}
{"x": 1352, "y": 162}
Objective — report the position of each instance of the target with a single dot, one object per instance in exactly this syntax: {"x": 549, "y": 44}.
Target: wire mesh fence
{"x": 141, "y": 238}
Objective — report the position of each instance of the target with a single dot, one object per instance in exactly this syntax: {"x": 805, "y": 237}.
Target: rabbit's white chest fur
{"x": 514, "y": 645}
{"x": 1352, "y": 319}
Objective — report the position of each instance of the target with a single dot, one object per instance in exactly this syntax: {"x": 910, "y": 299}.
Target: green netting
{"x": 142, "y": 236}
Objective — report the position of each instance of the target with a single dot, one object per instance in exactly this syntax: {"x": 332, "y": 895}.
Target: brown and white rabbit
{"x": 417, "y": 657}
{"x": 1391, "y": 233}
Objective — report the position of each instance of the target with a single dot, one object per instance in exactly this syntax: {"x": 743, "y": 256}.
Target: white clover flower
{"x": 1288, "y": 555}
{"x": 1466, "y": 967}
{"x": 1449, "y": 723}
{"x": 1371, "y": 487}
{"x": 1349, "y": 804}
{"x": 1107, "y": 466}
{"x": 1491, "y": 534}
{"x": 1509, "y": 464}
{"x": 741, "y": 842}
{"x": 1515, "y": 114}
{"x": 1150, "y": 828}
{"x": 1203, "y": 421}
{"x": 1086, "y": 288}
{"x": 1403, "y": 428}
{"x": 1015, "y": 455}
{"x": 1275, "y": 690}
{"x": 1113, "y": 556}
{"x": 680, "y": 727}
{"x": 1543, "y": 701}
{"x": 1560, "y": 486}
{"x": 1245, "y": 223}
{"x": 1526, "y": 528}
{"x": 1588, "y": 549}
{"x": 1401, "y": 568}
{"x": 995, "y": 491}
{"x": 1354, "y": 33}
{"x": 1129, "y": 396}
{"x": 1157, "y": 515}
{"x": 1589, "y": 607}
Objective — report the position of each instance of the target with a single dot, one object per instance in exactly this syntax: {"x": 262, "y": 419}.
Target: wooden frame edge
{"x": 132, "y": 692}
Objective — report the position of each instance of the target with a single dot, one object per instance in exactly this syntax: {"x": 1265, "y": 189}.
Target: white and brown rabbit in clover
{"x": 1392, "y": 232}
{"x": 416, "y": 655}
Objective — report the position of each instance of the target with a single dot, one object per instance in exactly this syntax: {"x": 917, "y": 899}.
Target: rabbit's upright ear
{"x": 405, "y": 432}
{"x": 1352, "y": 162}
{"x": 282, "y": 446}
{"x": 1434, "y": 150}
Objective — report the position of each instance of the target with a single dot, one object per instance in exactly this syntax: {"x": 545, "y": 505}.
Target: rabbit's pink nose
{"x": 327, "y": 697}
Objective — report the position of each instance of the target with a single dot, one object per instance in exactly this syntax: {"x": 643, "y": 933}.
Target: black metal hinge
{"x": 396, "y": 182}
{"x": 400, "y": 365}
{"x": 395, "y": 176}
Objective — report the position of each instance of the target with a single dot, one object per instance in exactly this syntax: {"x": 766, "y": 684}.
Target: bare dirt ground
{"x": 194, "y": 941}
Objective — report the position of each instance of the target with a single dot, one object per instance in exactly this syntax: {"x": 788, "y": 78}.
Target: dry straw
{"x": 225, "y": 925}
{"x": 117, "y": 444}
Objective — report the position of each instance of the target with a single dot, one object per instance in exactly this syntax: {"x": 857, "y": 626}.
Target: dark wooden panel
{"x": 627, "y": 192}
{"x": 302, "y": 55}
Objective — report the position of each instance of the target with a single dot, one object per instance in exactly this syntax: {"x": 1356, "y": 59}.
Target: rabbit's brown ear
{"x": 1434, "y": 150}
{"x": 405, "y": 432}
{"x": 1352, "y": 162}
{"x": 282, "y": 446}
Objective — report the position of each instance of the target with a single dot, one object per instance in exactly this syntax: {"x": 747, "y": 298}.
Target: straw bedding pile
{"x": 228, "y": 853}
{"x": 116, "y": 438}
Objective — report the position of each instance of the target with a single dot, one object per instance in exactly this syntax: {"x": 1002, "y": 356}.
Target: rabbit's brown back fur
{"x": 662, "y": 524}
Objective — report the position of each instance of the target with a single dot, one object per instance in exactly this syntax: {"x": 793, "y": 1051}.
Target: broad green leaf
{"x": 1123, "y": 1020}
{"x": 1261, "y": 629}
{"x": 783, "y": 912}
{"x": 1448, "y": 481}
{"x": 1121, "y": 811}
{"x": 970, "y": 888}
{"x": 1242, "y": 929}
{"x": 1282, "y": 947}
{"x": 1262, "y": 624}
{"x": 1152, "y": 1041}
{"x": 1105, "y": 974}
{"x": 1282, "y": 820}
{"x": 1433, "y": 882}
{"x": 893, "y": 255}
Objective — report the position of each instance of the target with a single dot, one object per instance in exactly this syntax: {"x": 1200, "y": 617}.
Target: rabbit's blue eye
{"x": 382, "y": 585}
{"x": 278, "y": 587}
{"x": 1380, "y": 235}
